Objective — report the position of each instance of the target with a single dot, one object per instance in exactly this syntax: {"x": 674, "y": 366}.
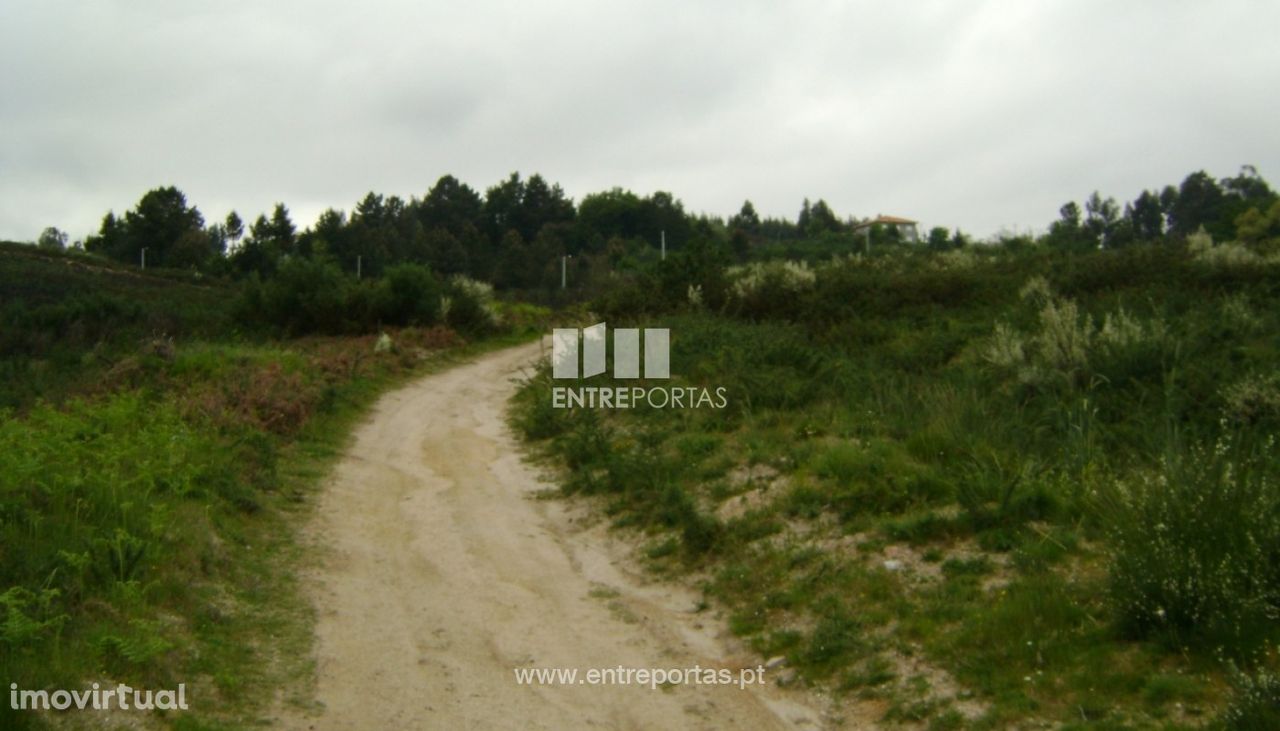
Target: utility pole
{"x": 144, "y": 258}
{"x": 664, "y": 244}
{"x": 564, "y": 271}
{"x": 359, "y": 262}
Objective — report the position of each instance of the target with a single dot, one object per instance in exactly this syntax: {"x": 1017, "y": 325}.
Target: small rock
{"x": 892, "y": 564}
{"x": 774, "y": 662}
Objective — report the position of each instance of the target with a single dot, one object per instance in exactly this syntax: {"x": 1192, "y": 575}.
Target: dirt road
{"x": 442, "y": 574}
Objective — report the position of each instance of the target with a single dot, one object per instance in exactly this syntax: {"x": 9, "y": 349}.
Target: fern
{"x": 139, "y": 647}
{"x": 19, "y": 627}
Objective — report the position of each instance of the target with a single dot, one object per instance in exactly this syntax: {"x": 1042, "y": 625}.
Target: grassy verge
{"x": 980, "y": 489}
{"x": 148, "y": 526}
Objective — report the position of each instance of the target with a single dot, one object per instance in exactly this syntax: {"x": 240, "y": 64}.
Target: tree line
{"x": 519, "y": 233}
{"x": 1241, "y": 207}
{"x": 513, "y": 235}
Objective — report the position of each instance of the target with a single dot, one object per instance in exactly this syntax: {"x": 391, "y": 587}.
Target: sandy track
{"x": 441, "y": 574}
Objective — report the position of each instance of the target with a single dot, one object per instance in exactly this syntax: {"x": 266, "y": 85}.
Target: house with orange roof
{"x": 906, "y": 228}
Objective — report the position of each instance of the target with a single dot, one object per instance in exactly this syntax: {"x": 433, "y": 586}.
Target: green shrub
{"x": 1067, "y": 348}
{"x": 1127, "y": 348}
{"x": 313, "y": 296}
{"x": 1255, "y": 706}
{"x": 534, "y": 414}
{"x": 768, "y": 289}
{"x": 1062, "y": 345}
{"x": 764, "y": 366}
{"x": 1195, "y": 550}
{"x": 837, "y": 636}
{"x": 409, "y": 294}
{"x": 1227, "y": 255}
{"x": 1056, "y": 353}
{"x": 998, "y": 494}
{"x": 880, "y": 477}
{"x": 1254, "y": 398}
{"x": 304, "y": 296}
{"x": 468, "y": 306}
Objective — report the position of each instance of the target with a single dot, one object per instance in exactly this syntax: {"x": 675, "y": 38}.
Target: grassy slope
{"x": 913, "y": 517}
{"x": 150, "y": 494}
{"x": 65, "y": 317}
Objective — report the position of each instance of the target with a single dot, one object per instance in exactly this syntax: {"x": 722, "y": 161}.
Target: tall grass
{"x": 1040, "y": 408}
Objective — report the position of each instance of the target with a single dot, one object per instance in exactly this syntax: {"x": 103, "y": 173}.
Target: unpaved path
{"x": 442, "y": 573}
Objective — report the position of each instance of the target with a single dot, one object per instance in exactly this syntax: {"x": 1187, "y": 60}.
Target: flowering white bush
{"x": 1122, "y": 331}
{"x": 695, "y": 296}
{"x": 1230, "y": 255}
{"x": 1199, "y": 242}
{"x": 1253, "y": 398}
{"x": 1006, "y": 348}
{"x": 789, "y": 276}
{"x": 481, "y": 291}
{"x": 1227, "y": 255}
{"x": 1036, "y": 291}
{"x": 1068, "y": 345}
{"x": 1192, "y": 547}
{"x": 768, "y": 287}
{"x": 955, "y": 260}
{"x": 1256, "y": 704}
{"x": 471, "y": 304}
{"x": 1063, "y": 341}
{"x": 1238, "y": 313}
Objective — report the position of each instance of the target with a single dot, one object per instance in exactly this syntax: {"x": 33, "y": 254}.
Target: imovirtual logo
{"x": 638, "y": 353}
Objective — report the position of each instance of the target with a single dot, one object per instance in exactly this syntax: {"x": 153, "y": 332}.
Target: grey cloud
{"x": 978, "y": 115}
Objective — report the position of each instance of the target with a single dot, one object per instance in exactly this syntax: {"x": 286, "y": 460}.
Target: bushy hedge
{"x": 314, "y": 296}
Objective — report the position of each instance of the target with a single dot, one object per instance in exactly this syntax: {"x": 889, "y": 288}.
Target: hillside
{"x": 65, "y": 317}
{"x": 155, "y": 459}
{"x": 1000, "y": 487}
{"x": 1023, "y": 483}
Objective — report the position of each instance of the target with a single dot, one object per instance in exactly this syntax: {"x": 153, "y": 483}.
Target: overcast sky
{"x": 982, "y": 115}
